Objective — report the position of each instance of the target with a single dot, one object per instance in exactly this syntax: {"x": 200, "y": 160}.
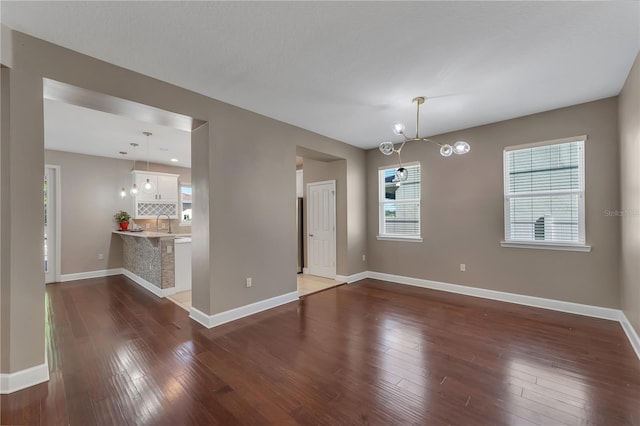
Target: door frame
{"x": 308, "y": 269}
{"x": 58, "y": 220}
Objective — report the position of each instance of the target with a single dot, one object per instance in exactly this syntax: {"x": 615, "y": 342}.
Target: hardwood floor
{"x": 365, "y": 353}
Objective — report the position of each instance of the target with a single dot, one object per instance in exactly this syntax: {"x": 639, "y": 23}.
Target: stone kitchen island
{"x": 149, "y": 260}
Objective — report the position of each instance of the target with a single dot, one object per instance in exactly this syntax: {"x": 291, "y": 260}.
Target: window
{"x": 544, "y": 195}
{"x": 399, "y": 204}
{"x": 185, "y": 202}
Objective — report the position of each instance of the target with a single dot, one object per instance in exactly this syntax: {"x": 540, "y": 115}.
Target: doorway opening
{"x": 318, "y": 178}
{"x": 103, "y": 144}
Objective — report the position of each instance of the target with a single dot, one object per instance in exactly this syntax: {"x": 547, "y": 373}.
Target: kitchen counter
{"x": 149, "y": 259}
{"x": 149, "y": 234}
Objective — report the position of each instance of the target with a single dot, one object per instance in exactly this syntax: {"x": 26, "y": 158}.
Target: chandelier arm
{"x": 429, "y": 140}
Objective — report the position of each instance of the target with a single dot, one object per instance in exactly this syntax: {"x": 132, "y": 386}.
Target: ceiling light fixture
{"x": 148, "y": 186}
{"x": 123, "y": 192}
{"x": 134, "y": 187}
{"x": 174, "y": 160}
{"x": 388, "y": 148}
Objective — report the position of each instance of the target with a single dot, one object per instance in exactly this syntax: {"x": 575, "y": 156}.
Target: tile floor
{"x": 307, "y": 284}
{"x": 182, "y": 299}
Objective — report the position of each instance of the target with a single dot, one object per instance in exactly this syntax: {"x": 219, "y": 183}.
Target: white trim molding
{"x": 352, "y": 278}
{"x": 215, "y": 320}
{"x": 12, "y": 382}
{"x": 90, "y": 274}
{"x": 630, "y": 332}
{"x": 157, "y": 291}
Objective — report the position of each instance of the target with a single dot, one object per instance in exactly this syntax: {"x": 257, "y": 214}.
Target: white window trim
{"x": 564, "y": 246}
{"x": 399, "y": 238}
{"x": 393, "y": 237}
{"x": 180, "y": 185}
{"x": 545, "y": 246}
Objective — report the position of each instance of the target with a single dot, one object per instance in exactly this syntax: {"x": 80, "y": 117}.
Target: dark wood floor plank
{"x": 367, "y": 353}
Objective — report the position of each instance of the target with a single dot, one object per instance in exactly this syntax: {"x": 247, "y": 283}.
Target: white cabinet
{"x": 161, "y": 196}
{"x": 164, "y": 186}
{"x": 183, "y": 264}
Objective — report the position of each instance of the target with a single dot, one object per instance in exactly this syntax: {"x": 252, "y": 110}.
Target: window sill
{"x": 185, "y": 224}
{"x": 398, "y": 238}
{"x": 545, "y": 246}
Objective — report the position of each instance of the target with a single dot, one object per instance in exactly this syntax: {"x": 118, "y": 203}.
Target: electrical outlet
{"x": 169, "y": 249}
{"x": 463, "y": 267}
{"x": 364, "y": 257}
{"x": 249, "y": 283}
{"x": 148, "y": 225}
{"x": 100, "y": 256}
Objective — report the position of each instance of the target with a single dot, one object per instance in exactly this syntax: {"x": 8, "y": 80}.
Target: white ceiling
{"x": 347, "y": 70}
{"x": 81, "y": 130}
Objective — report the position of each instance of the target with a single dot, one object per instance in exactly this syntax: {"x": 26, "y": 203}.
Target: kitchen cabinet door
{"x": 167, "y": 188}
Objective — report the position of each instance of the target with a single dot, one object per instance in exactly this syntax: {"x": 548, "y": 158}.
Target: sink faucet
{"x": 158, "y": 218}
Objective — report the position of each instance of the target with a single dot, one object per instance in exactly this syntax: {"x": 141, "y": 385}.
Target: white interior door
{"x": 321, "y": 228}
{"x": 51, "y": 236}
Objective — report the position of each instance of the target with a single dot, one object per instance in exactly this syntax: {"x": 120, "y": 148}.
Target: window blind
{"x": 544, "y": 193}
{"x": 400, "y": 203}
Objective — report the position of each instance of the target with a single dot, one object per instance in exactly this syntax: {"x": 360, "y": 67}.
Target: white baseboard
{"x": 214, "y": 320}
{"x": 90, "y": 274}
{"x": 305, "y": 270}
{"x": 160, "y": 292}
{"x": 538, "y": 302}
{"x": 631, "y": 333}
{"x": 12, "y": 382}
{"x": 353, "y": 278}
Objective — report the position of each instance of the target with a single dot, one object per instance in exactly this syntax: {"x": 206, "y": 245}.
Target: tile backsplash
{"x": 175, "y": 225}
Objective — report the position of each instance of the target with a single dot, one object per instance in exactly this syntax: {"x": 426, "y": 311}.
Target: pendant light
{"x": 388, "y": 148}
{"x": 148, "y": 186}
{"x": 134, "y": 187}
{"x": 123, "y": 192}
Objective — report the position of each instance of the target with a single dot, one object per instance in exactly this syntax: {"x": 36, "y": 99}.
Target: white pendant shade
{"x": 446, "y": 150}
{"x": 398, "y": 128}
{"x": 461, "y": 147}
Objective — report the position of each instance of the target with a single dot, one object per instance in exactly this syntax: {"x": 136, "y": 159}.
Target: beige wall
{"x": 463, "y": 217}
{"x": 629, "y": 114}
{"x": 5, "y": 289}
{"x": 240, "y": 157}
{"x": 22, "y": 173}
{"x": 90, "y": 195}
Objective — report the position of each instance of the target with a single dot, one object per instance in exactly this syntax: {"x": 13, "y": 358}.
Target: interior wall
{"x": 462, "y": 211}
{"x": 248, "y": 161}
{"x": 5, "y": 288}
{"x": 22, "y": 223}
{"x": 629, "y": 113}
{"x": 319, "y": 171}
{"x": 90, "y": 196}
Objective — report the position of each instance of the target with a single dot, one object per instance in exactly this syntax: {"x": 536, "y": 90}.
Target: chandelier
{"x": 388, "y": 148}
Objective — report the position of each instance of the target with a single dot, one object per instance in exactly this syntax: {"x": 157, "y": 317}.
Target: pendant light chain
{"x": 134, "y": 187}
{"x": 148, "y": 186}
